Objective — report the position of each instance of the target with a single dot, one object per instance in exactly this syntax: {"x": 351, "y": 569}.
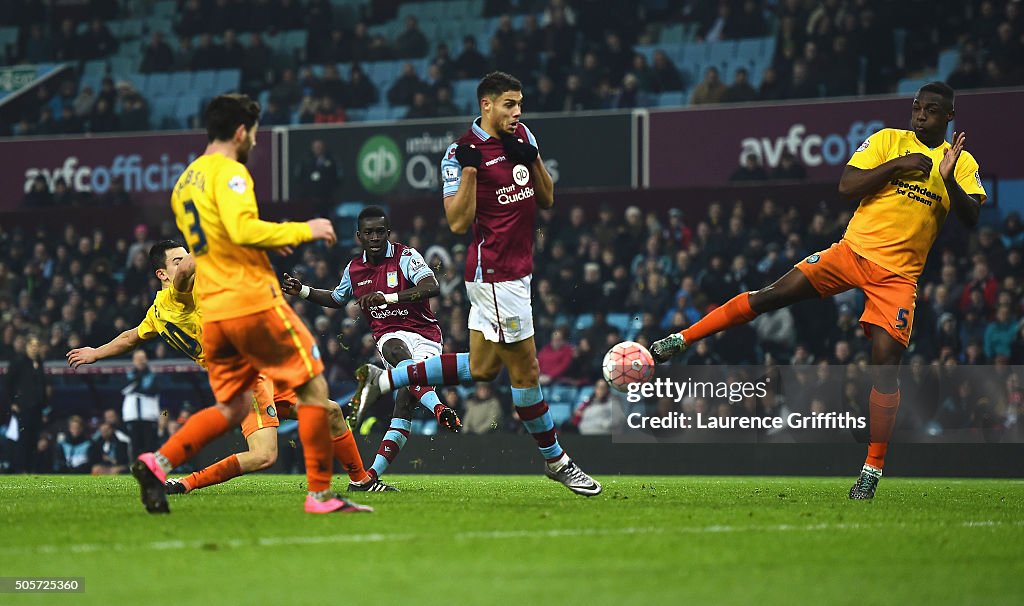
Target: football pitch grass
{"x": 523, "y": 539}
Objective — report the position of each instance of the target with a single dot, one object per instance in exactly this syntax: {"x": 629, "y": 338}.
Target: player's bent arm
{"x": 460, "y": 209}
{"x": 185, "y": 275}
{"x": 122, "y": 343}
{"x": 323, "y": 298}
{"x": 245, "y": 228}
{"x": 544, "y": 184}
{"x": 856, "y": 183}
{"x": 427, "y": 288}
{"x": 966, "y": 206}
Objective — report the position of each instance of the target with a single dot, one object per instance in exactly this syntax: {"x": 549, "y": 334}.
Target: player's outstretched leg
{"x": 445, "y": 369}
{"x": 150, "y": 469}
{"x": 883, "y": 404}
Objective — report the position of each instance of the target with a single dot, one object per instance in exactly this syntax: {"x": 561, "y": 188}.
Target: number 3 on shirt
{"x": 196, "y": 237}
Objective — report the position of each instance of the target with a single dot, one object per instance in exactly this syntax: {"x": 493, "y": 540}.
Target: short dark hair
{"x": 373, "y": 212}
{"x": 226, "y": 112}
{"x": 497, "y": 83}
{"x": 158, "y": 253}
{"x": 941, "y": 89}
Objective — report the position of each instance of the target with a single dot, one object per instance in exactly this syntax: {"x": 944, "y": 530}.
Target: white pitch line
{"x": 478, "y": 535}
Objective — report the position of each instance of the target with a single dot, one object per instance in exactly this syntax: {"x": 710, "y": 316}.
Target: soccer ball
{"x": 625, "y": 363}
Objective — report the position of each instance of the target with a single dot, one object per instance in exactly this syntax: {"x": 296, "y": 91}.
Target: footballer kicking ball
{"x": 626, "y": 363}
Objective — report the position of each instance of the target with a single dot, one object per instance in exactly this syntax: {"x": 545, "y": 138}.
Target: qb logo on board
{"x": 521, "y": 175}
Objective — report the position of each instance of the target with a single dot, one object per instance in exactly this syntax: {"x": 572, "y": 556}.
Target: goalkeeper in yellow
{"x": 907, "y": 182}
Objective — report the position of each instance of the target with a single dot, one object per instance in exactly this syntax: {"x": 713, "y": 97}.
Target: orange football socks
{"x": 198, "y": 431}
{"x": 221, "y": 471}
{"x": 346, "y": 451}
{"x": 734, "y": 312}
{"x": 882, "y": 408}
{"x": 315, "y": 435}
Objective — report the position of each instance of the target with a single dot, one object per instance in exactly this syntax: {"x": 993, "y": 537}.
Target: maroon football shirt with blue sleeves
{"x": 506, "y": 208}
{"x": 402, "y": 268}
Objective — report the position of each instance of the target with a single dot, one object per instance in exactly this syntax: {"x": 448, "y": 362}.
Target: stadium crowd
{"x": 600, "y": 277}
{"x": 571, "y": 54}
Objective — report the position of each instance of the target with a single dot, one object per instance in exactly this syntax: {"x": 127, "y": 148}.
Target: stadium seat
{"x": 948, "y": 60}
{"x": 159, "y": 84}
{"x": 619, "y": 321}
{"x": 671, "y": 99}
{"x": 584, "y": 394}
{"x": 96, "y": 68}
{"x": 377, "y": 113}
{"x": 424, "y": 427}
{"x": 227, "y": 80}
{"x": 356, "y": 115}
{"x": 165, "y": 9}
{"x": 162, "y": 112}
{"x": 583, "y": 322}
{"x": 187, "y": 107}
{"x": 672, "y": 33}
{"x": 560, "y": 412}
{"x": 203, "y": 82}
{"x": 911, "y": 85}
{"x": 121, "y": 65}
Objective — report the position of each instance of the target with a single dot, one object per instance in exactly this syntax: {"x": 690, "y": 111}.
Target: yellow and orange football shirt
{"x": 175, "y": 318}
{"x": 897, "y": 226}
{"x": 215, "y": 208}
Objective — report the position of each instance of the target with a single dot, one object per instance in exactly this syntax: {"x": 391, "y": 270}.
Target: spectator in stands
{"x": 483, "y": 412}
{"x": 629, "y": 96}
{"x": 411, "y": 43}
{"x": 97, "y": 42}
{"x": 207, "y": 55}
{"x": 38, "y": 46}
{"x": 470, "y": 63}
{"x": 709, "y": 90}
{"x": 666, "y": 74}
{"x": 183, "y": 56}
{"x": 801, "y": 86}
{"x": 27, "y": 387}
{"x": 840, "y": 79}
{"x": 69, "y": 123}
{"x": 157, "y": 56}
{"x": 771, "y": 88}
{"x": 408, "y": 82}
{"x": 141, "y": 407}
{"x": 362, "y": 92}
{"x": 421, "y": 107}
{"x": 559, "y": 35}
{"x": 287, "y": 92}
{"x": 1000, "y": 334}
{"x": 134, "y": 112}
{"x": 751, "y": 170}
{"x": 546, "y": 98}
{"x": 599, "y": 414}
{"x": 191, "y": 20}
{"x": 789, "y": 168}
{"x": 576, "y": 97}
{"x": 231, "y": 54}
{"x": 555, "y": 358}
{"x": 318, "y": 176}
{"x": 329, "y": 112}
{"x": 66, "y": 45}
{"x": 46, "y": 124}
{"x": 38, "y": 196}
{"x": 443, "y": 105}
{"x": 359, "y": 49}
{"x": 336, "y": 49}
{"x": 108, "y": 452}
{"x": 592, "y": 72}
{"x": 740, "y": 91}
{"x": 84, "y": 102}
{"x": 616, "y": 57}
{"x": 103, "y": 119}
{"x": 73, "y": 446}
{"x": 995, "y": 76}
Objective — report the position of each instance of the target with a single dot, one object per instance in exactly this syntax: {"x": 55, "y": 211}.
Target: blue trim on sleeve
{"x": 529, "y": 135}
{"x": 451, "y": 171}
{"x": 344, "y": 288}
{"x": 422, "y": 270}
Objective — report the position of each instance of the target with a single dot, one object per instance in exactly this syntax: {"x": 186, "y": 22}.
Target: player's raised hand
{"x": 81, "y": 355}
{"x": 517, "y": 150}
{"x": 468, "y": 156}
{"x": 323, "y": 229}
{"x": 949, "y": 157}
{"x": 374, "y": 299}
{"x": 916, "y": 163}
{"x": 290, "y": 285}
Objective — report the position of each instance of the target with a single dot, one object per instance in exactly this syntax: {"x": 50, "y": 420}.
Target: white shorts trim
{"x": 502, "y": 311}
{"x": 420, "y": 346}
